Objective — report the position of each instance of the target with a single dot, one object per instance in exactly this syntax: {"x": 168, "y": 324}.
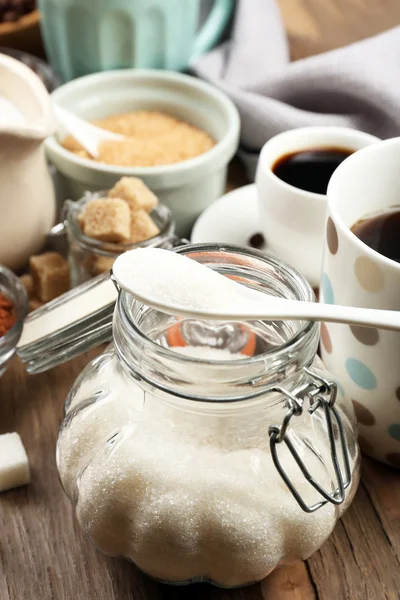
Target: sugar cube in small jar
{"x": 207, "y": 450}
{"x": 103, "y": 225}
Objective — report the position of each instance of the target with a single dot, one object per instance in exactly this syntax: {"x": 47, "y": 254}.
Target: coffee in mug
{"x": 361, "y": 267}
{"x": 292, "y": 177}
{"x": 310, "y": 170}
{"x": 381, "y": 232}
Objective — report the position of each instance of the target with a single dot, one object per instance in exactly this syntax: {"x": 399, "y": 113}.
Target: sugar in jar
{"x": 210, "y": 451}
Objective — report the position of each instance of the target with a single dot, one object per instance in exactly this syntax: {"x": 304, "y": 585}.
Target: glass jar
{"x": 89, "y": 257}
{"x": 12, "y": 288}
{"x": 210, "y": 451}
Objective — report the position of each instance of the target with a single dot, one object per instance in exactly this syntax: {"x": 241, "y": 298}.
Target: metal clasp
{"x": 321, "y": 394}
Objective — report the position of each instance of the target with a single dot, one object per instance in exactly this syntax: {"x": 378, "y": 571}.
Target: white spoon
{"x": 88, "y": 135}
{"x": 177, "y": 285}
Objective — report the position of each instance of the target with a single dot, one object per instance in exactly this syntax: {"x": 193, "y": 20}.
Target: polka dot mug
{"x": 366, "y": 360}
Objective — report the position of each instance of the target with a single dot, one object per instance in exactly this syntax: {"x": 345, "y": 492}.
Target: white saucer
{"x": 232, "y": 219}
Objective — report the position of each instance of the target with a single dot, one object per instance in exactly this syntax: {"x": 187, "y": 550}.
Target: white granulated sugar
{"x": 177, "y": 498}
{"x": 175, "y": 282}
{"x": 205, "y": 353}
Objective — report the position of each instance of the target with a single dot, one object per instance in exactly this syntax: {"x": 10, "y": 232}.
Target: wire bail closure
{"x": 321, "y": 394}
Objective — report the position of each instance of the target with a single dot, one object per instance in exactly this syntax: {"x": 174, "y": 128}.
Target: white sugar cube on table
{"x": 14, "y": 465}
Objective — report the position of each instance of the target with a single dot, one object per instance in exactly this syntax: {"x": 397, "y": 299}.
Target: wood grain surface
{"x": 43, "y": 554}
{"x": 314, "y": 26}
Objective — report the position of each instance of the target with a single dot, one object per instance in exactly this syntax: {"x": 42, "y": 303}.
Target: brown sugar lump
{"x": 106, "y": 220}
{"x": 102, "y": 264}
{"x": 34, "y": 304}
{"x": 142, "y": 227}
{"x": 135, "y": 193}
{"x": 81, "y": 219}
{"x": 50, "y": 273}
{"x": 27, "y": 282}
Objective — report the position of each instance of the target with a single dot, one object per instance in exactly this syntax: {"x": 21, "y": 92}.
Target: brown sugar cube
{"x": 107, "y": 220}
{"x": 34, "y": 304}
{"x": 50, "y": 273}
{"x": 102, "y": 264}
{"x": 27, "y": 282}
{"x": 81, "y": 219}
{"x": 135, "y": 193}
{"x": 142, "y": 227}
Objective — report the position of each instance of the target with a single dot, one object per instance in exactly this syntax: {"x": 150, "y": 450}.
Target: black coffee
{"x": 381, "y": 233}
{"x": 310, "y": 170}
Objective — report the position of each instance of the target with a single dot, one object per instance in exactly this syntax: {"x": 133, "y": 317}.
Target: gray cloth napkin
{"x": 356, "y": 86}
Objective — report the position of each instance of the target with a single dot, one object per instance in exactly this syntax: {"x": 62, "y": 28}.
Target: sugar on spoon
{"x": 178, "y": 285}
{"x": 88, "y": 135}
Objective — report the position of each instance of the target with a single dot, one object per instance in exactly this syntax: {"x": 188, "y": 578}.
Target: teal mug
{"x": 86, "y": 36}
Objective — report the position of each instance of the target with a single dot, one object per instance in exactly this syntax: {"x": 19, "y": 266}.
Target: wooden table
{"x": 43, "y": 554}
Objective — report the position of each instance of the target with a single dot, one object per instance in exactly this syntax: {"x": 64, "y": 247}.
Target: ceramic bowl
{"x": 13, "y": 289}
{"x": 188, "y": 187}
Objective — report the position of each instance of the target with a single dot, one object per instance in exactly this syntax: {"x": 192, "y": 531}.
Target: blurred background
{"x": 312, "y": 26}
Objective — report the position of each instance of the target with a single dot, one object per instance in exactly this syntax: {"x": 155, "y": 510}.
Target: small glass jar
{"x": 89, "y": 257}
{"x": 210, "y": 451}
{"x": 13, "y": 289}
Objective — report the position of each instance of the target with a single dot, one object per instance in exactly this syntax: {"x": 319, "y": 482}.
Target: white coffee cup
{"x": 293, "y": 220}
{"x": 365, "y": 360}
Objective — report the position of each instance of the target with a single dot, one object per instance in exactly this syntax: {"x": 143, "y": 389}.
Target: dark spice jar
{"x": 13, "y": 310}
{"x": 7, "y": 314}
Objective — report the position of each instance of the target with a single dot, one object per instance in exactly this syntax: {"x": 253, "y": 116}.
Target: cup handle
{"x": 213, "y": 28}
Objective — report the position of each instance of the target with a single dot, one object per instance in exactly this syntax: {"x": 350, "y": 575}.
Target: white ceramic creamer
{"x": 27, "y": 200}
